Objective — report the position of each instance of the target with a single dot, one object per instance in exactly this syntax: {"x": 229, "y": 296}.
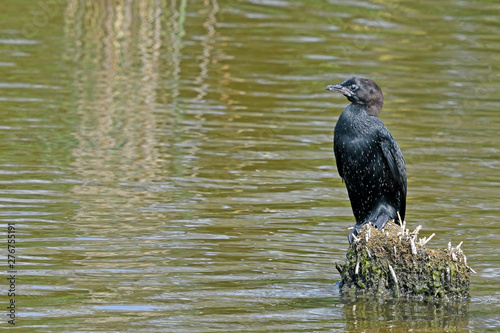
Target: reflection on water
{"x": 169, "y": 163}
{"x": 401, "y": 315}
{"x": 116, "y": 81}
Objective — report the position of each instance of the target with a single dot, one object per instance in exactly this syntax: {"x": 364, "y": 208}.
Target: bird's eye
{"x": 353, "y": 87}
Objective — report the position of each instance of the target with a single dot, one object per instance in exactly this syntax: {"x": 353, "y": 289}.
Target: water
{"x": 169, "y": 167}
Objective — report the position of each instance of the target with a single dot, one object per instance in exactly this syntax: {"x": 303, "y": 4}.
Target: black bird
{"x": 368, "y": 158}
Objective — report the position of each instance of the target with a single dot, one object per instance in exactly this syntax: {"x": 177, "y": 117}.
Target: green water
{"x": 168, "y": 165}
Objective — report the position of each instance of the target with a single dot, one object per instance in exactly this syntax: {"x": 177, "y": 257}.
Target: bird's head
{"x": 361, "y": 91}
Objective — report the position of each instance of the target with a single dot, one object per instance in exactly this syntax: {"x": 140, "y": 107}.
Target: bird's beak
{"x": 341, "y": 89}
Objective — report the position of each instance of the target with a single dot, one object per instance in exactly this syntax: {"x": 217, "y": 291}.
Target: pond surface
{"x": 168, "y": 165}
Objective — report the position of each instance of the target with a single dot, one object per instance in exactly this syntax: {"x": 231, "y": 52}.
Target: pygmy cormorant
{"x": 368, "y": 158}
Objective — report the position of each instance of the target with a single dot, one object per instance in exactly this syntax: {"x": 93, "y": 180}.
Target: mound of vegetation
{"x": 394, "y": 262}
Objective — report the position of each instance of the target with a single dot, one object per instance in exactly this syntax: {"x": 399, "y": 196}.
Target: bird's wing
{"x": 396, "y": 163}
{"x": 338, "y": 160}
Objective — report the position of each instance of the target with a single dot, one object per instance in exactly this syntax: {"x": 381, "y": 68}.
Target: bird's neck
{"x": 355, "y": 116}
{"x": 373, "y": 109}
{"x": 369, "y": 109}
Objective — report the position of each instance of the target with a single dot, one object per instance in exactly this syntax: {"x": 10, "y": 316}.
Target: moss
{"x": 386, "y": 263}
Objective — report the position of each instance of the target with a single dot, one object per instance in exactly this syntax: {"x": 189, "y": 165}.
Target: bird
{"x": 368, "y": 159}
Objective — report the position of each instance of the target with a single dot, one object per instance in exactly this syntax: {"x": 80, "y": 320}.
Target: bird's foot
{"x": 380, "y": 222}
{"x": 352, "y": 234}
